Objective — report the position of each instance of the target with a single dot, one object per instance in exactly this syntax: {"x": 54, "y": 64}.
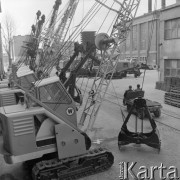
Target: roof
{"x": 47, "y": 81}
{"x": 24, "y": 70}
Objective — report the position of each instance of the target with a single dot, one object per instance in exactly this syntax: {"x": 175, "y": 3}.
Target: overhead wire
{"x": 112, "y": 23}
{"x": 106, "y": 17}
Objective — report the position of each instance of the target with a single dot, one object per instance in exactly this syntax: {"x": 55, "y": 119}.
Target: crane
{"x": 43, "y": 131}
{"x": 57, "y": 39}
{"x": 62, "y": 29}
{"x": 125, "y": 14}
{"x": 50, "y": 30}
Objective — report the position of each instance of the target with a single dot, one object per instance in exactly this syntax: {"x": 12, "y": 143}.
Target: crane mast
{"x": 127, "y": 11}
{"x": 36, "y": 37}
{"x": 55, "y": 12}
{"x": 50, "y": 30}
{"x": 52, "y": 57}
{"x": 63, "y": 27}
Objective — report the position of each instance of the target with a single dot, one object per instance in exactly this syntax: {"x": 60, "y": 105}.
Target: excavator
{"x": 41, "y": 129}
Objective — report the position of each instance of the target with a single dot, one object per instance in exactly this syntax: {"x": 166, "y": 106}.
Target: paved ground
{"x": 108, "y": 125}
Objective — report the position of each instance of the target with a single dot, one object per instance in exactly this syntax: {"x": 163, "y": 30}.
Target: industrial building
{"x": 155, "y": 39}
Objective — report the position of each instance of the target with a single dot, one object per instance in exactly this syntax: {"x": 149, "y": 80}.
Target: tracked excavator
{"x": 40, "y": 128}
{"x": 42, "y": 131}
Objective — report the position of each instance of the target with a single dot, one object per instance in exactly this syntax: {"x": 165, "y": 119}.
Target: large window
{"x": 128, "y": 42}
{"x": 134, "y": 38}
{"x": 172, "y": 29}
{"x": 54, "y": 94}
{"x": 143, "y": 36}
{"x": 172, "y": 67}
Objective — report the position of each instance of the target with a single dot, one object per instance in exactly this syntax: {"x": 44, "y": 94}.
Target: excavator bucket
{"x": 151, "y": 139}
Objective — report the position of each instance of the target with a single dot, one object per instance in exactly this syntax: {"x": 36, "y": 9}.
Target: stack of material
{"x": 173, "y": 97}
{"x": 168, "y": 84}
{"x": 161, "y": 85}
{"x": 173, "y": 81}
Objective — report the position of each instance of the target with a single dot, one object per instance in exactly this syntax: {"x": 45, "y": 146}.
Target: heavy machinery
{"x": 109, "y": 47}
{"x": 40, "y": 128}
{"x": 123, "y": 68}
{"x": 55, "y": 46}
{"x": 29, "y": 69}
{"x": 153, "y": 106}
{"x": 43, "y": 130}
{"x": 151, "y": 138}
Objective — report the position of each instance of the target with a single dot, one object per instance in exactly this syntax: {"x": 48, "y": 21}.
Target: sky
{"x": 23, "y": 13}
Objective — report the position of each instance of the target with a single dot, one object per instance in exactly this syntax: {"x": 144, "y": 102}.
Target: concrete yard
{"x": 108, "y": 125}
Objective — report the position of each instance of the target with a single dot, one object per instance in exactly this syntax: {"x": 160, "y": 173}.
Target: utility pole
{"x": 1, "y": 51}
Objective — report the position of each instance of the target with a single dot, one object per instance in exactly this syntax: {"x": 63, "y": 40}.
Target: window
{"x": 128, "y": 42}
{"x": 174, "y": 64}
{"x": 172, "y": 29}
{"x": 134, "y": 38}
{"x": 178, "y": 72}
{"x": 54, "y": 94}
{"x": 172, "y": 67}
{"x": 167, "y": 72}
{"x": 178, "y": 64}
{"x": 143, "y": 35}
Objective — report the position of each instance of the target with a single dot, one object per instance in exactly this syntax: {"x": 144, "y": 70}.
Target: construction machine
{"x": 124, "y": 68}
{"x": 39, "y": 127}
{"x": 42, "y": 130}
{"x": 109, "y": 48}
{"x": 29, "y": 69}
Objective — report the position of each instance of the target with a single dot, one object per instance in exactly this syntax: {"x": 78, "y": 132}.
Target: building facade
{"x": 170, "y": 42}
{"x": 155, "y": 39}
{"x": 18, "y": 43}
{"x": 142, "y": 41}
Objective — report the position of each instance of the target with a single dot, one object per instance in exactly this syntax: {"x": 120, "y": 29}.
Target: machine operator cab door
{"x": 53, "y": 94}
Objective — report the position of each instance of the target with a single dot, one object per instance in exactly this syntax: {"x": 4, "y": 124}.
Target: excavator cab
{"x": 53, "y": 94}
{"x": 30, "y": 131}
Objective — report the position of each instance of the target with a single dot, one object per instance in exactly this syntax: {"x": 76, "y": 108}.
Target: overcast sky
{"x": 23, "y": 13}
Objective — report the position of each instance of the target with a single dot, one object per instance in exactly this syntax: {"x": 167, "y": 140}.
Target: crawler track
{"x": 95, "y": 161}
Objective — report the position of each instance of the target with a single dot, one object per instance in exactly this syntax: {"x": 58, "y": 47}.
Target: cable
{"x": 112, "y": 23}
{"x": 89, "y": 18}
{"x": 106, "y": 17}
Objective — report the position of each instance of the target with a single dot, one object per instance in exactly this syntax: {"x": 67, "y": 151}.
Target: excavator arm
{"x": 77, "y": 49}
{"x": 70, "y": 83}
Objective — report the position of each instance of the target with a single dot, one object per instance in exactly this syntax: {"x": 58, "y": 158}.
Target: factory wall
{"x": 155, "y": 39}
{"x": 170, "y": 42}
{"x": 141, "y": 43}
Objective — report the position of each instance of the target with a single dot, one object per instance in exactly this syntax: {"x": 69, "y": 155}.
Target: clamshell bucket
{"x": 151, "y": 139}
